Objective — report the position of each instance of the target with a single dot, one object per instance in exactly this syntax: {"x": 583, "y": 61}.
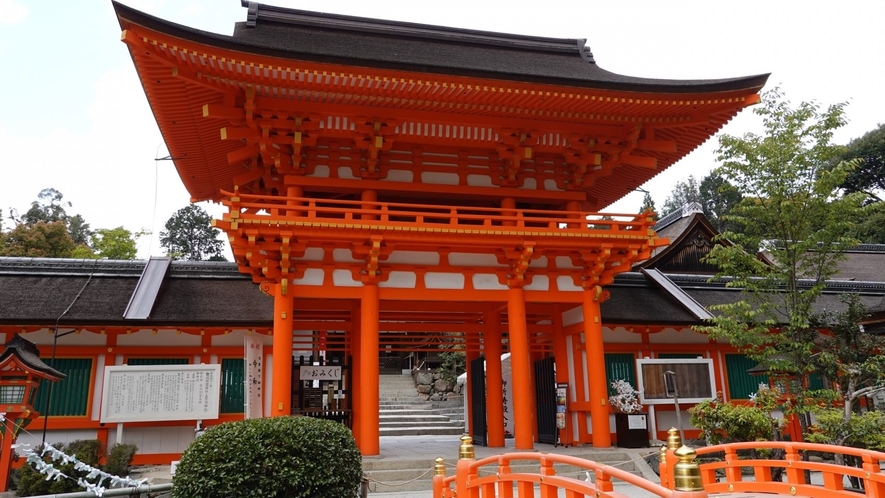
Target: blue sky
{"x": 73, "y": 116}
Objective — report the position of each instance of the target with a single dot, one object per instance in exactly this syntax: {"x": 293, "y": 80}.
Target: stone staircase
{"x": 403, "y": 413}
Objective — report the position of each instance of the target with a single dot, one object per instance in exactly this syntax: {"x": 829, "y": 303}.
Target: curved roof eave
{"x": 433, "y": 55}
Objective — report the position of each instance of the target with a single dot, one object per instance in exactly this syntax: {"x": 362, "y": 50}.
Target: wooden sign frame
{"x": 690, "y": 376}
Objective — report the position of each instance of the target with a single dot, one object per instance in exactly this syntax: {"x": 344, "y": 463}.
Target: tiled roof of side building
{"x": 320, "y": 37}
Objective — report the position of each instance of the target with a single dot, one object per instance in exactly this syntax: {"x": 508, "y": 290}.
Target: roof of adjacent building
{"x": 334, "y": 38}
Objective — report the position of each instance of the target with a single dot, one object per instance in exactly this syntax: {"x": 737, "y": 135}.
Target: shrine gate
{"x": 400, "y": 185}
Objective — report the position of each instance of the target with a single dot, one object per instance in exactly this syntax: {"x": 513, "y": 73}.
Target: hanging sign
{"x": 320, "y": 372}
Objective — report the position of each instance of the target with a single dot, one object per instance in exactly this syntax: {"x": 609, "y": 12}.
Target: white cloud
{"x": 12, "y": 12}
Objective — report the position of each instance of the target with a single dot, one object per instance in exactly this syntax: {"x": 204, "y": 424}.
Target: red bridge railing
{"x": 725, "y": 469}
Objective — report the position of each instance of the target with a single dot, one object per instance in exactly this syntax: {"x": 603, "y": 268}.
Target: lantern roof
{"x": 23, "y": 354}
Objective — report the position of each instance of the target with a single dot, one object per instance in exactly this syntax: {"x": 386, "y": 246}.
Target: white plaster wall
{"x": 620, "y": 335}
{"x": 566, "y": 284}
{"x": 173, "y": 439}
{"x": 479, "y": 181}
{"x": 439, "y": 280}
{"x": 423, "y": 258}
{"x": 667, "y": 419}
{"x": 344, "y": 278}
{"x": 565, "y": 262}
{"x": 539, "y": 282}
{"x": 437, "y": 178}
{"x": 344, "y": 256}
{"x": 400, "y": 279}
{"x": 236, "y": 338}
{"x": 161, "y": 338}
{"x": 44, "y": 337}
{"x": 399, "y": 175}
{"x": 312, "y": 276}
{"x": 539, "y": 263}
{"x": 312, "y": 254}
{"x": 321, "y": 171}
{"x": 472, "y": 259}
{"x": 550, "y": 184}
{"x": 487, "y": 281}
{"x": 572, "y": 316}
{"x": 35, "y": 438}
{"x": 682, "y": 336}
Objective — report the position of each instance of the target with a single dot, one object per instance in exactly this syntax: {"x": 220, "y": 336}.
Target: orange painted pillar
{"x": 369, "y": 443}
{"x": 281, "y": 395}
{"x": 491, "y": 342}
{"x": 6, "y": 456}
{"x": 521, "y": 369}
{"x": 355, "y": 370}
{"x": 599, "y": 411}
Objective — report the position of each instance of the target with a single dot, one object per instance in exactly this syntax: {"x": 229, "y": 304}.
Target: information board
{"x": 694, "y": 381}
{"x": 160, "y": 392}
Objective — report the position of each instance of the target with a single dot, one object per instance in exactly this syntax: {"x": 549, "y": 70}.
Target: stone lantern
{"x": 21, "y": 371}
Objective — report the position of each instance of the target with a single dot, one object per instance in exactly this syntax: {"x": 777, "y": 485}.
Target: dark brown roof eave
{"x": 605, "y": 81}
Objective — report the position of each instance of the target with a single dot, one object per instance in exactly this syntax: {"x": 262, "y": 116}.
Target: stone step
{"x": 423, "y": 431}
{"x": 412, "y": 419}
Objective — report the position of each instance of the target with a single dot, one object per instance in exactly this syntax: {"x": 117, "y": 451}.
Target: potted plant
{"x": 631, "y": 425}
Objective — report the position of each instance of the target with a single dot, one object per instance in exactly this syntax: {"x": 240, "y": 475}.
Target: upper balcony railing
{"x": 305, "y": 211}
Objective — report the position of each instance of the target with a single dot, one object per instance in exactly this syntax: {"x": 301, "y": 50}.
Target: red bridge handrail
{"x": 731, "y": 467}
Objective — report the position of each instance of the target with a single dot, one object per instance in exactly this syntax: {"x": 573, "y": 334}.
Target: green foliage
{"x": 684, "y": 192}
{"x": 116, "y": 243}
{"x": 722, "y": 422}
{"x": 189, "y": 235}
{"x": 88, "y": 451}
{"x": 718, "y": 198}
{"x": 40, "y": 240}
{"x": 870, "y": 228}
{"x": 862, "y": 430}
{"x": 279, "y": 457}
{"x": 649, "y": 204}
{"x": 791, "y": 210}
{"x": 119, "y": 459}
{"x": 869, "y": 176}
{"x": 453, "y": 363}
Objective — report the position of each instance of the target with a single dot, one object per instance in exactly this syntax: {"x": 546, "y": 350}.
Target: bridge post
{"x": 466, "y": 456}
{"x": 674, "y": 442}
{"x": 687, "y": 475}
{"x": 663, "y": 470}
{"x": 439, "y": 475}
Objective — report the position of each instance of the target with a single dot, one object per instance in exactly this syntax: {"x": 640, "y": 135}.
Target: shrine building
{"x": 390, "y": 186}
{"x": 396, "y": 178}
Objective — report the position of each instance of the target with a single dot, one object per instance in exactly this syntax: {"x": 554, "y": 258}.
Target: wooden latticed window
{"x": 233, "y": 376}
{"x": 741, "y": 384}
{"x": 70, "y": 396}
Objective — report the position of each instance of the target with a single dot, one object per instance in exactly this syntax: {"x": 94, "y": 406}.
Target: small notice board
{"x": 160, "y": 392}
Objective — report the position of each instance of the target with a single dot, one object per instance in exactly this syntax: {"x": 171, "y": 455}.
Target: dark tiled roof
{"x": 864, "y": 263}
{"x": 38, "y": 291}
{"x": 339, "y": 39}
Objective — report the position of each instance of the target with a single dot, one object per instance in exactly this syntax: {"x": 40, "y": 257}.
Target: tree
{"x": 649, "y": 204}
{"x": 113, "y": 243}
{"x": 50, "y": 207}
{"x": 869, "y": 176}
{"x": 684, "y": 192}
{"x": 40, "y": 240}
{"x": 718, "y": 198}
{"x": 792, "y": 210}
{"x": 190, "y": 236}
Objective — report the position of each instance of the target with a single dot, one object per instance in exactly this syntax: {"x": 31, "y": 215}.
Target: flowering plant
{"x": 626, "y": 399}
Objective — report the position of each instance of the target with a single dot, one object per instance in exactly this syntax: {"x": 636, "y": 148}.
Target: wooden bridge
{"x": 722, "y": 470}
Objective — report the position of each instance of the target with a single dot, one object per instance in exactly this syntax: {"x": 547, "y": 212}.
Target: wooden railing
{"x": 494, "y": 477}
{"x": 724, "y": 469}
{"x": 736, "y": 471}
{"x": 264, "y": 209}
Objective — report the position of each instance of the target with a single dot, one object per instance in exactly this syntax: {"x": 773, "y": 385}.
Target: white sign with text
{"x": 148, "y": 393}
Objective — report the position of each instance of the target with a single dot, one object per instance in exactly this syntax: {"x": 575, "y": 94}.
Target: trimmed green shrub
{"x": 280, "y": 457}
{"x": 88, "y": 451}
{"x": 119, "y": 459}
